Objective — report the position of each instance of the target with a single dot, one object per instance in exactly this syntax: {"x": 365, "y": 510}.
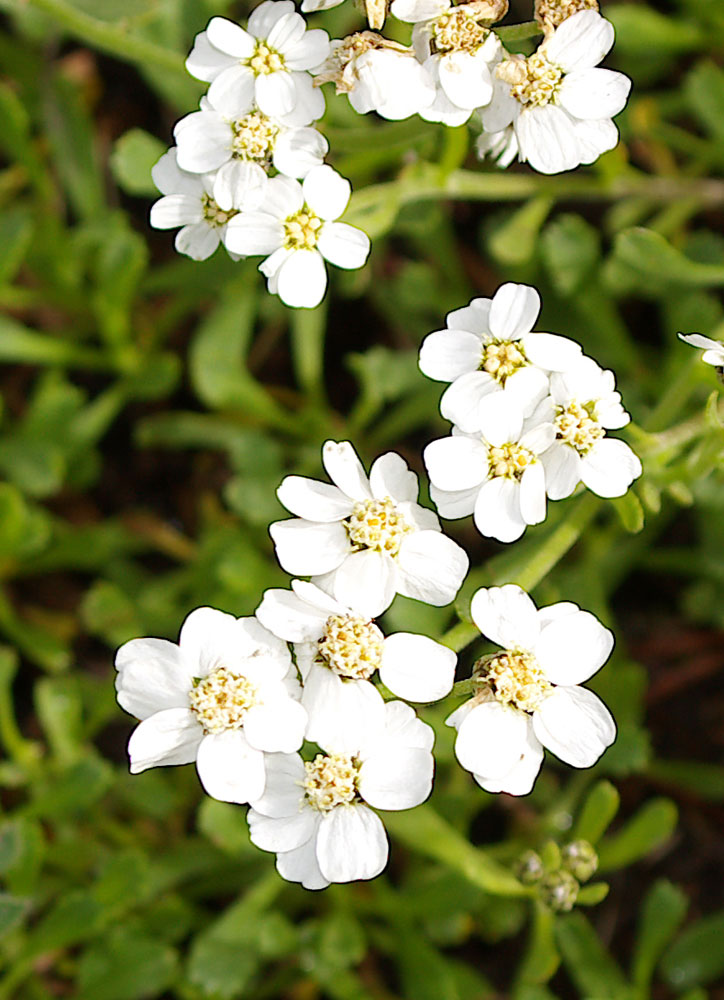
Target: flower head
{"x": 365, "y": 539}
{"x": 225, "y": 695}
{"x": 528, "y": 696}
{"x": 318, "y": 816}
{"x": 713, "y": 350}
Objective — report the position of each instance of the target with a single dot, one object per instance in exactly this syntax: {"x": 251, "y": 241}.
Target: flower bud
{"x": 559, "y": 890}
{"x": 580, "y": 859}
{"x": 529, "y": 868}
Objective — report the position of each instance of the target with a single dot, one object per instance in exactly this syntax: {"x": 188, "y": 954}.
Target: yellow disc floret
{"x": 457, "y": 31}
{"x": 501, "y": 358}
{"x": 577, "y": 426}
{"x": 538, "y": 80}
{"x": 330, "y": 781}
{"x": 509, "y": 460}
{"x": 377, "y": 525}
{"x": 351, "y": 646}
{"x": 221, "y": 700}
{"x": 265, "y": 60}
{"x": 254, "y": 137}
{"x": 515, "y": 679}
{"x": 301, "y": 230}
{"x": 215, "y": 216}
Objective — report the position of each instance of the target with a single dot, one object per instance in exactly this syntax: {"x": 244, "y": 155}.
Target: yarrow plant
{"x": 300, "y": 711}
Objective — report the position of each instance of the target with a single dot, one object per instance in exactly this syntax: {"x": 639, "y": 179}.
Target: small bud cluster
{"x": 557, "y": 873}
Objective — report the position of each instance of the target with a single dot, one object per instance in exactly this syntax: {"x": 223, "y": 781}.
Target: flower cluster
{"x": 529, "y": 412}
{"x": 247, "y": 169}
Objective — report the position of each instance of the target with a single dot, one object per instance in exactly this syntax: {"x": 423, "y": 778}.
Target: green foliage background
{"x": 151, "y": 406}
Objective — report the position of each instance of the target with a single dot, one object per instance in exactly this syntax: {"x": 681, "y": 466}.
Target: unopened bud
{"x": 559, "y": 890}
{"x": 529, "y": 868}
{"x": 580, "y": 859}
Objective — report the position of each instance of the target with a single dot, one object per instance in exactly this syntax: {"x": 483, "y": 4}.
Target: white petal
{"x": 307, "y": 548}
{"x": 287, "y": 32}
{"x": 497, "y": 510}
{"x": 447, "y": 354}
{"x": 366, "y": 582}
{"x": 502, "y": 111}
{"x": 205, "y": 61}
{"x": 547, "y": 139}
{"x": 263, "y": 18}
{"x": 283, "y": 197}
{"x": 456, "y": 463}
{"x": 500, "y": 418}
{"x": 341, "y": 712}
{"x": 563, "y": 470}
{"x": 203, "y": 140}
{"x": 313, "y": 500}
{"x": 239, "y": 184}
{"x": 610, "y": 467}
{"x": 391, "y": 477}
{"x": 460, "y": 403}
{"x": 351, "y": 844}
{"x": 418, "y": 10}
{"x": 207, "y": 636}
{"x": 513, "y": 311}
{"x": 168, "y": 737}
{"x": 345, "y": 469}
{"x": 402, "y": 731}
{"x": 417, "y": 668}
{"x": 465, "y": 79}
{"x": 152, "y": 675}
{"x": 695, "y": 339}
{"x": 230, "y": 770}
{"x": 533, "y": 494}
{"x": 521, "y": 777}
{"x": 282, "y": 790}
{"x": 301, "y": 865}
{"x": 251, "y": 233}
{"x": 229, "y": 38}
{"x": 275, "y": 93}
{"x": 397, "y": 780}
{"x": 580, "y": 41}
{"x": 289, "y": 617}
{"x": 285, "y": 833}
{"x": 572, "y": 648}
{"x": 343, "y": 245}
{"x": 309, "y": 52}
{"x": 454, "y": 505}
{"x": 552, "y": 352}
{"x": 326, "y": 192}
{"x": 575, "y": 725}
{"x": 302, "y": 279}
{"x": 594, "y": 93}
{"x": 197, "y": 241}
{"x": 176, "y": 210}
{"x": 527, "y": 387}
{"x": 309, "y": 105}
{"x": 298, "y": 150}
{"x": 507, "y": 616}
{"x": 231, "y": 90}
{"x": 170, "y": 179}
{"x": 491, "y": 739}
{"x": 431, "y": 568}
{"x": 276, "y": 726}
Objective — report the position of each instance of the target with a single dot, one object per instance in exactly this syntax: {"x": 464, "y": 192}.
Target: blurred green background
{"x": 150, "y": 407}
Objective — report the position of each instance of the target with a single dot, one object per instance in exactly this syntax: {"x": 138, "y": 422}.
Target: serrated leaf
{"x": 651, "y": 827}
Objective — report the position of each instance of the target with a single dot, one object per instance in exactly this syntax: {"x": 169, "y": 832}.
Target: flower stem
{"x": 518, "y": 32}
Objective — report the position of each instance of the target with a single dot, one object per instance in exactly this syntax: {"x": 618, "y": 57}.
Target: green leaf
{"x": 220, "y": 968}
{"x": 16, "y": 231}
{"x": 704, "y": 89}
{"x": 425, "y": 973}
{"x": 570, "y": 248}
{"x": 645, "y": 260}
{"x": 108, "y": 612}
{"x": 71, "y": 137}
{"x": 126, "y": 965}
{"x": 598, "y": 811}
{"x": 651, "y": 827}
{"x": 592, "y": 894}
{"x": 75, "y": 917}
{"x": 514, "y": 241}
{"x": 74, "y": 790}
{"x": 630, "y": 511}
{"x": 704, "y": 780}
{"x": 661, "y": 914}
{"x": 12, "y": 911}
{"x": 640, "y": 29}
{"x": 541, "y": 958}
{"x": 225, "y": 826}
{"x": 133, "y": 156}
{"x": 23, "y": 848}
{"x": 340, "y": 941}
{"x": 697, "y": 956}
{"x": 589, "y": 965}
{"x": 58, "y": 704}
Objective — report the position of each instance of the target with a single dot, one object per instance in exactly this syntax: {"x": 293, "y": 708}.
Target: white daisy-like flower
{"x": 459, "y": 52}
{"x": 559, "y": 103}
{"x": 223, "y": 697}
{"x": 496, "y": 474}
{"x": 363, "y": 540}
{"x": 528, "y": 696}
{"x": 338, "y": 651}
{"x": 295, "y": 224}
{"x": 713, "y": 349}
{"x": 583, "y": 404}
{"x": 267, "y": 63}
{"x": 488, "y": 348}
{"x": 188, "y": 201}
{"x": 242, "y": 150}
{"x": 378, "y": 75}
{"x": 316, "y": 815}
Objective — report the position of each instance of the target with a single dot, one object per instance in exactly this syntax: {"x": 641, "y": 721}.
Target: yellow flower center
{"x": 509, "y": 460}
{"x": 501, "y": 358}
{"x": 214, "y": 215}
{"x": 330, "y": 781}
{"x": 265, "y": 60}
{"x": 516, "y": 679}
{"x": 351, "y": 646}
{"x": 539, "y": 83}
{"x": 254, "y": 137}
{"x": 576, "y": 426}
{"x": 457, "y": 31}
{"x": 221, "y": 700}
{"x": 301, "y": 230}
{"x": 377, "y": 525}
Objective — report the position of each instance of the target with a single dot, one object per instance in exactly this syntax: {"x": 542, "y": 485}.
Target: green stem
{"x": 518, "y": 32}
{"x": 111, "y": 38}
{"x": 307, "y": 328}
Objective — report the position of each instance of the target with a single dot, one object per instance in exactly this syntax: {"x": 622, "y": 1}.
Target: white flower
{"x": 458, "y": 51}
{"x": 378, "y": 75}
{"x": 365, "y": 539}
{"x": 713, "y": 349}
{"x": 496, "y": 475}
{"x": 242, "y": 149}
{"x": 501, "y": 147}
{"x": 295, "y": 226}
{"x": 338, "y": 651}
{"x": 189, "y": 202}
{"x": 488, "y": 348}
{"x": 528, "y": 695}
{"x": 224, "y": 696}
{"x": 558, "y": 103}
{"x": 266, "y": 63}
{"x": 316, "y": 816}
{"x": 583, "y": 403}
